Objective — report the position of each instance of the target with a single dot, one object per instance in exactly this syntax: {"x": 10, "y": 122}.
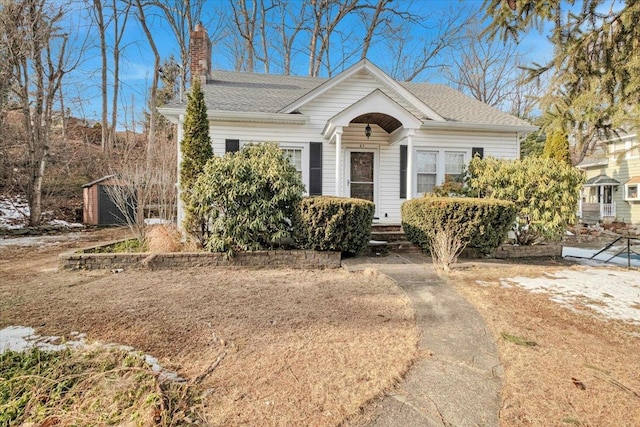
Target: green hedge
{"x": 482, "y": 223}
{"x": 335, "y": 224}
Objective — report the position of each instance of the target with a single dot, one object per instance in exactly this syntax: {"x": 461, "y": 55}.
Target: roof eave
{"x": 620, "y": 138}
{"x": 478, "y": 126}
{"x": 598, "y": 163}
{"x": 173, "y": 114}
{"x": 257, "y": 117}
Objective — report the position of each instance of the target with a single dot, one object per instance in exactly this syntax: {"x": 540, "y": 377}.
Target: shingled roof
{"x": 455, "y": 106}
{"x": 255, "y": 92}
{"x": 270, "y": 93}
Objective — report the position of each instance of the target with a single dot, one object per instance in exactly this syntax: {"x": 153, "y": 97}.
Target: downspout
{"x": 179, "y": 203}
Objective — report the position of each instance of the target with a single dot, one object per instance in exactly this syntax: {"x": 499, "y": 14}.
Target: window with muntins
{"x": 427, "y": 169}
{"x": 295, "y": 157}
{"x": 453, "y": 166}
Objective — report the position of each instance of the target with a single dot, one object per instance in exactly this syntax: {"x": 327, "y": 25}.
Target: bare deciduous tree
{"x": 151, "y": 131}
{"x": 110, "y": 18}
{"x": 326, "y": 15}
{"x": 244, "y": 19}
{"x": 415, "y": 54}
{"x": 182, "y": 16}
{"x": 290, "y": 25}
{"x": 98, "y": 16}
{"x": 37, "y": 50}
{"x": 491, "y": 71}
{"x": 486, "y": 70}
{"x": 119, "y": 18}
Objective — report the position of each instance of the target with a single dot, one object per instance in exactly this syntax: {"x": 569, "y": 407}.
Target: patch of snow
{"x": 63, "y": 223}
{"x": 14, "y": 211}
{"x": 40, "y": 241}
{"x": 583, "y": 256}
{"x": 614, "y": 294}
{"x": 484, "y": 283}
{"x": 156, "y": 221}
{"x": 14, "y": 214}
{"x": 21, "y": 338}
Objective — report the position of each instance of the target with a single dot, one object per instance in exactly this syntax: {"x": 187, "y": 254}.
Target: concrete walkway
{"x": 457, "y": 378}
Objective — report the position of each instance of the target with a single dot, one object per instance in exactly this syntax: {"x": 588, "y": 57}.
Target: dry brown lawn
{"x": 582, "y": 371}
{"x": 271, "y": 347}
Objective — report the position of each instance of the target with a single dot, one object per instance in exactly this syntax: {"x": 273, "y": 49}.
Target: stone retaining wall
{"x": 302, "y": 259}
{"x": 513, "y": 251}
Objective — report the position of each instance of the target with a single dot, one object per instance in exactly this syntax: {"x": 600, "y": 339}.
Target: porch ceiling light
{"x": 367, "y": 131}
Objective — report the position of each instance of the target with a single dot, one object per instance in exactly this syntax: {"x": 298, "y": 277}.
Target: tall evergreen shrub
{"x": 556, "y": 147}
{"x": 196, "y": 151}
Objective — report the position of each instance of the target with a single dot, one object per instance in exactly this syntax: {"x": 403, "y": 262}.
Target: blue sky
{"x": 82, "y": 87}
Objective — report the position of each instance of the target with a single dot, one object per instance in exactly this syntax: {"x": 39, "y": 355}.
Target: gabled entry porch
{"x": 367, "y": 137}
{"x": 596, "y": 203}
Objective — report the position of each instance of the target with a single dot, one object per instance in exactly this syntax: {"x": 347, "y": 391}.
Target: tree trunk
{"x": 104, "y": 122}
{"x": 151, "y": 132}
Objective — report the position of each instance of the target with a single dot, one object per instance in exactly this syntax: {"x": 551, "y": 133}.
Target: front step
{"x": 387, "y": 238}
{"x": 380, "y": 248}
{"x": 404, "y": 246}
{"x": 375, "y": 228}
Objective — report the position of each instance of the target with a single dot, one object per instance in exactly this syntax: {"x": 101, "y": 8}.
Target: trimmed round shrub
{"x": 335, "y": 223}
{"x": 480, "y": 223}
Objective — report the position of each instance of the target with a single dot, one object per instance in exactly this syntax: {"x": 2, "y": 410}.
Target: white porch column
{"x": 338, "y": 160}
{"x": 601, "y": 200}
{"x": 410, "y": 165}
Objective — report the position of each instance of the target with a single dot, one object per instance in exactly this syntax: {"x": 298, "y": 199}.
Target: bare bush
{"x": 446, "y": 246}
{"x": 130, "y": 195}
{"x": 163, "y": 238}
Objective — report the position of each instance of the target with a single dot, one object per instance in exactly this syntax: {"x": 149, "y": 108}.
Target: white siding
{"x": 320, "y": 110}
{"x": 347, "y": 93}
{"x": 499, "y": 145}
{"x": 389, "y": 209}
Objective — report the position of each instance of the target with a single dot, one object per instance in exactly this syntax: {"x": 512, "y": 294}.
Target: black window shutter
{"x": 315, "y": 168}
{"x": 403, "y": 171}
{"x": 231, "y": 145}
{"x": 479, "y": 151}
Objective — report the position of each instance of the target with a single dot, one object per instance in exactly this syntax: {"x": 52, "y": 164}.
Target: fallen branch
{"x": 210, "y": 369}
{"x": 618, "y": 384}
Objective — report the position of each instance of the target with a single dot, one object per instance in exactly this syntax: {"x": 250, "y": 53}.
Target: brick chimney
{"x": 200, "y": 53}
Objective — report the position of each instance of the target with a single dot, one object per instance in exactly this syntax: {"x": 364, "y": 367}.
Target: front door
{"x": 605, "y": 194}
{"x": 361, "y": 174}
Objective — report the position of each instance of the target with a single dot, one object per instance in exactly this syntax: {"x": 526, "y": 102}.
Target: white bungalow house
{"x": 358, "y": 134}
{"x": 612, "y": 180}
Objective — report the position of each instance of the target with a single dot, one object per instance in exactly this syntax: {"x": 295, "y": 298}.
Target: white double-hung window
{"x": 298, "y": 155}
{"x": 453, "y": 165}
{"x": 427, "y": 169}
{"x": 435, "y": 166}
{"x": 295, "y": 158}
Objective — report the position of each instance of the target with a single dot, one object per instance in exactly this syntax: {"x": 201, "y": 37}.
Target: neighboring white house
{"x": 359, "y": 134}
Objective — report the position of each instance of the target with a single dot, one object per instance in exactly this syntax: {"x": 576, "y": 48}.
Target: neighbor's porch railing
{"x": 607, "y": 209}
{"x": 596, "y": 211}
